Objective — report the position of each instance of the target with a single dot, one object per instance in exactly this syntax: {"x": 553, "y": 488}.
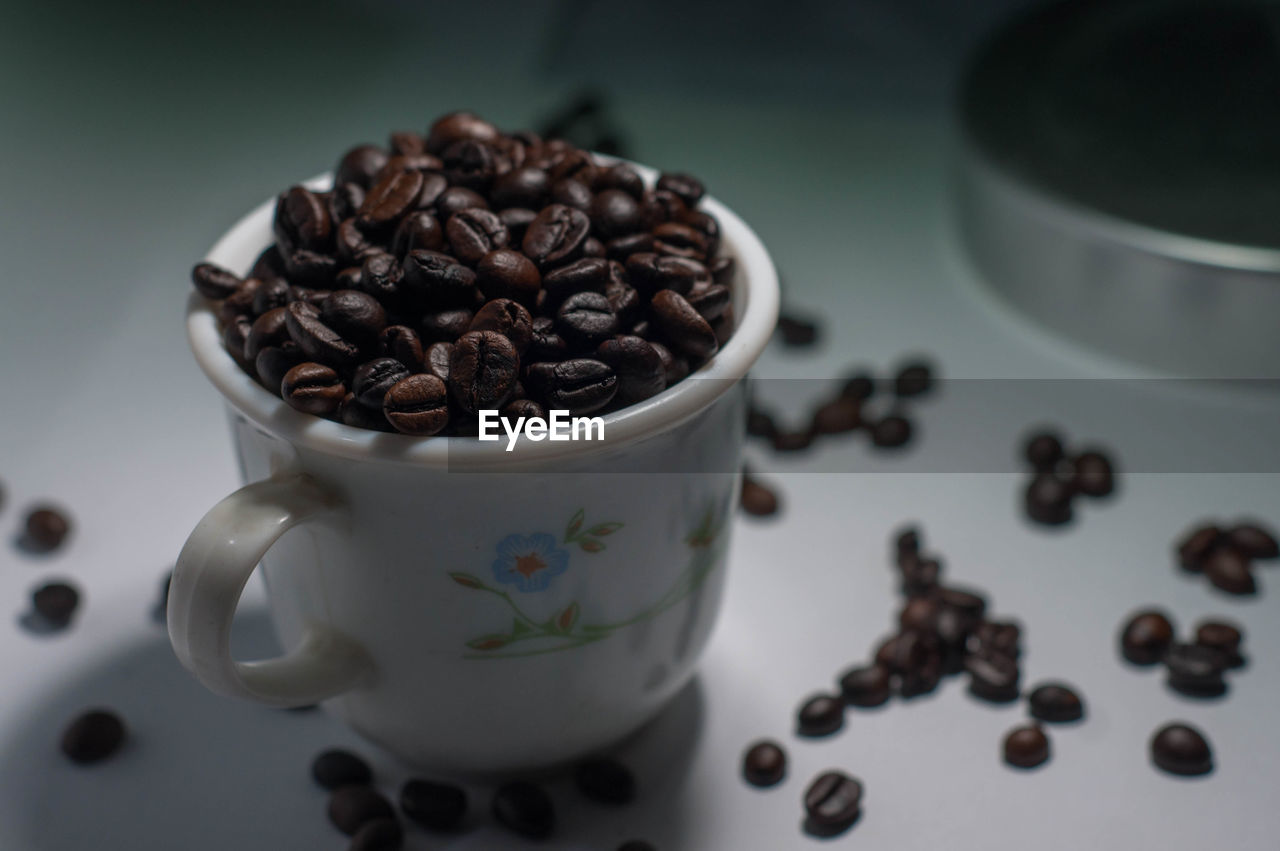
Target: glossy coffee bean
{"x": 435, "y": 806}
{"x": 1146, "y": 637}
{"x": 913, "y": 379}
{"x": 372, "y": 379}
{"x": 436, "y": 360}
{"x": 269, "y": 329}
{"x": 832, "y": 802}
{"x": 311, "y": 268}
{"x": 638, "y": 366}
{"x": 418, "y": 231}
{"x": 866, "y": 686}
{"x": 1195, "y": 670}
{"x": 417, "y": 404}
{"x": 711, "y": 301}
{"x": 1026, "y": 747}
{"x": 1223, "y": 638}
{"x": 1043, "y": 450}
{"x": 605, "y": 781}
{"x": 615, "y": 213}
{"x": 525, "y": 809}
{"x": 445, "y": 325}
{"x": 683, "y": 328}
{"x": 1253, "y": 541}
{"x": 270, "y": 295}
{"x": 93, "y": 737}
{"x": 483, "y": 370}
{"x": 578, "y": 385}
{"x": 1229, "y": 570}
{"x": 521, "y": 187}
{"x": 457, "y": 126}
{"x": 55, "y": 602}
{"x": 585, "y": 320}
{"x": 402, "y": 343}
{"x": 556, "y": 236}
{"x": 573, "y": 193}
{"x": 589, "y": 274}
{"x": 508, "y": 318}
{"x": 1181, "y": 749}
{"x": 1047, "y": 500}
{"x": 473, "y": 233}
{"x": 336, "y": 768}
{"x": 764, "y": 764}
{"x": 384, "y": 834}
{"x": 388, "y": 200}
{"x": 1055, "y": 703}
{"x": 268, "y": 265}
{"x": 517, "y": 221}
{"x": 1194, "y": 548}
{"x": 505, "y": 273}
{"x": 235, "y": 339}
{"x": 359, "y": 165}
{"x": 46, "y": 528}
{"x": 820, "y": 715}
{"x": 920, "y": 575}
{"x": 992, "y": 677}
{"x": 302, "y": 220}
{"x": 1093, "y": 474}
{"x": 352, "y": 807}
{"x": 354, "y": 316}
{"x": 213, "y": 281}
{"x": 757, "y": 499}
{"x": 344, "y": 202}
{"x": 650, "y": 273}
{"x": 313, "y": 388}
{"x": 891, "y": 431}
{"x": 689, "y": 189}
{"x": 438, "y": 280}
{"x": 676, "y": 366}
{"x": 318, "y": 341}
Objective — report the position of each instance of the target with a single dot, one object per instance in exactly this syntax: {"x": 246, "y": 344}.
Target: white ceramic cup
{"x": 471, "y": 609}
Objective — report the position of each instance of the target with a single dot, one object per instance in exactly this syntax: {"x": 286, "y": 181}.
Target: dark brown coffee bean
{"x": 93, "y": 737}
{"x": 384, "y": 834}
{"x": 472, "y": 164}
{"x": 919, "y": 613}
{"x": 676, "y": 366}
{"x": 997, "y": 637}
{"x": 438, "y": 280}
{"x": 649, "y": 273}
{"x": 820, "y": 715}
{"x": 546, "y": 345}
{"x": 891, "y": 431}
{"x": 832, "y": 803}
{"x": 239, "y": 303}
{"x": 797, "y": 331}
{"x": 352, "y": 244}
{"x": 436, "y": 360}
{"x": 473, "y": 233}
{"x": 1181, "y": 749}
{"x": 372, "y": 379}
{"x": 1047, "y": 500}
{"x": 1253, "y": 541}
{"x": 920, "y": 575}
{"x": 1146, "y": 637}
{"x": 344, "y": 202}
{"x": 269, "y": 265}
{"x": 214, "y": 282}
{"x": 313, "y": 389}
{"x": 1043, "y": 450}
{"x": 574, "y": 193}
{"x": 585, "y": 320}
{"x": 1055, "y": 703}
{"x": 317, "y": 340}
{"x": 527, "y": 408}
{"x": 1195, "y": 670}
{"x": 302, "y": 221}
{"x": 524, "y": 809}
{"x": 913, "y": 379}
{"x": 435, "y": 806}
{"x": 969, "y": 602}
{"x": 605, "y": 781}
{"x": 614, "y": 213}
{"x": 381, "y": 276}
{"x": 689, "y": 189}
{"x": 455, "y": 199}
{"x": 710, "y": 301}
{"x": 271, "y": 295}
{"x": 505, "y": 273}
{"x": 758, "y": 499}
{"x": 418, "y": 230}
{"x": 1093, "y": 474}
{"x": 521, "y": 187}
{"x": 686, "y": 331}
{"x": 445, "y": 325}
{"x": 792, "y": 441}
{"x": 555, "y": 237}
{"x": 860, "y": 386}
{"x": 676, "y": 239}
{"x": 483, "y": 370}
{"x": 352, "y": 807}
{"x": 311, "y": 268}
{"x": 273, "y": 362}
{"x": 55, "y": 602}
{"x": 578, "y": 385}
{"x": 764, "y": 764}
{"x": 906, "y": 543}
{"x": 457, "y": 126}
{"x": 723, "y": 326}
{"x": 1223, "y": 638}
{"x": 402, "y": 343}
{"x": 46, "y": 528}
{"x": 838, "y": 416}
{"x": 1026, "y": 747}
{"x": 335, "y": 768}
{"x": 388, "y": 200}
{"x": 359, "y": 165}
{"x": 404, "y": 142}
{"x": 1195, "y": 547}
{"x": 590, "y": 274}
{"x": 622, "y": 247}
{"x": 626, "y": 304}
{"x": 722, "y": 270}
{"x": 992, "y": 678}
{"x": 417, "y": 404}
{"x": 637, "y": 364}
{"x": 355, "y": 316}
{"x": 574, "y": 165}
{"x": 517, "y": 221}
{"x": 865, "y": 686}
{"x": 509, "y": 319}
{"x": 1228, "y": 570}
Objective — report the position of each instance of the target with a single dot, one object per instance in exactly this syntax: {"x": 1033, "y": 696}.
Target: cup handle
{"x": 210, "y": 575}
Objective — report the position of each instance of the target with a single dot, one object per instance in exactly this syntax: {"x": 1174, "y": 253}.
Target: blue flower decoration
{"x": 529, "y": 561}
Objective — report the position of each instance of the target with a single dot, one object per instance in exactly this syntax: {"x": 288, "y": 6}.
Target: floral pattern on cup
{"x": 529, "y": 562}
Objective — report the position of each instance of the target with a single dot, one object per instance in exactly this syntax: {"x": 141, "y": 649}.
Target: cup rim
{"x": 755, "y": 298}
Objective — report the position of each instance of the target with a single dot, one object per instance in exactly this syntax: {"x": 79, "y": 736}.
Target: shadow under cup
{"x": 503, "y": 610}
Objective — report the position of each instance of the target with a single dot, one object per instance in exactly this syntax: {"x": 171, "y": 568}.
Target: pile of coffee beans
{"x": 1058, "y": 477}
{"x": 469, "y": 269}
{"x": 1226, "y": 554}
{"x": 1195, "y": 668}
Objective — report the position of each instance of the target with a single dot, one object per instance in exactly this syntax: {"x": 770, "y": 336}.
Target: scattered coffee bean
{"x": 820, "y": 715}
{"x": 992, "y": 677}
{"x": 335, "y": 768}
{"x": 866, "y": 686}
{"x": 913, "y": 379}
{"x": 920, "y": 575}
{"x": 1093, "y": 474}
{"x": 1047, "y": 500}
{"x": 832, "y": 802}
{"x": 840, "y": 415}
{"x": 1229, "y": 570}
{"x": 605, "y": 781}
{"x": 1026, "y": 747}
{"x": 1055, "y": 703}
{"x": 758, "y": 500}
{"x": 56, "y": 602}
{"x": 1195, "y": 547}
{"x": 435, "y": 806}
{"x": 891, "y": 431}
{"x": 1254, "y": 541}
{"x": 792, "y": 441}
{"x": 1181, "y": 749}
{"x": 46, "y": 528}
{"x": 93, "y": 736}
{"x": 1043, "y": 450}
{"x": 764, "y": 764}
{"x": 1223, "y": 638}
{"x": 1195, "y": 671}
{"x": 1146, "y": 637}
{"x": 797, "y": 331}
{"x": 525, "y": 809}
{"x": 352, "y": 807}
{"x": 384, "y": 834}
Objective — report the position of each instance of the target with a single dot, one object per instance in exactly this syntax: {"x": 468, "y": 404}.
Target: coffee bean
{"x": 685, "y": 330}
{"x": 622, "y": 247}
{"x": 1055, "y": 703}
{"x": 689, "y": 189}
{"x": 438, "y": 280}
{"x": 574, "y": 193}
{"x": 268, "y": 265}
{"x": 388, "y": 200}
{"x": 865, "y": 686}
{"x": 1253, "y": 541}
{"x": 509, "y": 319}
{"x": 675, "y": 239}
{"x": 372, "y": 379}
{"x": 1026, "y": 747}
{"x": 832, "y": 802}
{"x": 302, "y": 221}
{"x": 383, "y": 834}
{"x": 637, "y": 364}
{"x": 590, "y": 274}
{"x": 860, "y": 386}
{"x": 820, "y": 715}
{"x": 546, "y": 345}
{"x": 213, "y": 281}
{"x": 473, "y": 233}
{"x": 556, "y": 236}
{"x": 1223, "y": 638}
{"x": 919, "y": 613}
{"x": 455, "y": 199}
{"x": 505, "y": 273}
{"x": 93, "y": 736}
{"x": 650, "y": 273}
{"x": 335, "y": 768}
{"x": 920, "y": 575}
{"x": 404, "y": 142}
{"x": 891, "y": 431}
{"x": 435, "y": 806}
{"x": 710, "y": 301}
{"x": 1229, "y": 570}
{"x": 913, "y": 379}
{"x": 837, "y": 416}
{"x": 317, "y": 340}
{"x": 311, "y": 268}
{"x": 352, "y": 807}
{"x": 764, "y": 764}
{"x": 483, "y": 370}
{"x": 313, "y": 388}
{"x": 578, "y": 385}
{"x": 517, "y": 221}
{"x": 1043, "y": 450}
{"x": 757, "y": 499}
{"x": 418, "y": 231}
{"x": 1196, "y": 546}
{"x": 1146, "y": 637}
{"x": 722, "y": 270}
{"x": 403, "y": 344}
{"x": 1093, "y": 474}
{"x": 55, "y": 602}
{"x": 675, "y": 366}
{"x": 605, "y": 781}
{"x": 344, "y": 202}
{"x": 359, "y": 165}
{"x": 457, "y": 126}
{"x": 352, "y": 413}
{"x": 270, "y": 295}
{"x": 417, "y": 404}
{"x": 997, "y": 637}
{"x": 992, "y": 677}
{"x": 446, "y": 325}
{"x": 524, "y": 809}
{"x": 970, "y": 603}
{"x": 527, "y": 408}
{"x": 436, "y": 360}
{"x": 585, "y": 320}
{"x": 614, "y": 213}
{"x": 797, "y": 331}
{"x": 269, "y": 329}
{"x": 46, "y": 528}
{"x": 354, "y": 315}
{"x": 1195, "y": 670}
{"x": 1181, "y": 749}
{"x": 1047, "y": 500}
{"x": 521, "y": 187}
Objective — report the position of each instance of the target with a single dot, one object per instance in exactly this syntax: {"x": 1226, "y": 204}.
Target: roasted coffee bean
{"x": 435, "y": 806}
{"x": 1093, "y": 474}
{"x": 972, "y": 604}
{"x": 1181, "y": 749}
{"x": 417, "y": 404}
{"x": 384, "y": 834}
{"x": 797, "y": 331}
{"x": 573, "y": 165}
{"x": 689, "y": 189}
{"x": 792, "y": 441}
{"x": 920, "y": 575}
{"x": 1196, "y": 546}
{"x": 402, "y": 343}
{"x": 710, "y": 301}
{"x": 590, "y": 274}
{"x": 470, "y": 163}
{"x": 650, "y": 273}
{"x": 524, "y": 809}
{"x": 722, "y": 270}
{"x": 924, "y": 680}
{"x": 675, "y": 239}
{"x": 55, "y": 602}
{"x": 372, "y": 379}
{"x": 1026, "y": 747}
{"x": 1253, "y": 541}
{"x": 1229, "y": 570}
{"x": 317, "y": 340}
{"x": 235, "y": 339}
{"x": 354, "y": 315}
{"x": 1047, "y": 500}
{"x": 269, "y": 265}
{"x": 724, "y": 325}
{"x": 865, "y": 686}
{"x": 605, "y": 781}
{"x": 908, "y": 651}
{"x": 832, "y": 802}
{"x": 388, "y": 200}
{"x": 622, "y": 247}
{"x": 446, "y": 325}
{"x": 906, "y": 544}
{"x": 913, "y": 379}
{"x": 457, "y": 126}
{"x": 213, "y": 281}
{"x": 509, "y": 319}
{"x": 919, "y": 613}
{"x": 556, "y": 235}
{"x": 46, "y": 528}
{"x": 1146, "y": 637}
{"x": 352, "y": 807}
{"x": 527, "y": 408}
{"x": 455, "y": 199}
{"x": 483, "y": 370}
{"x": 521, "y": 187}
{"x": 585, "y": 320}
{"x": 759, "y": 423}
{"x": 436, "y": 360}
{"x": 638, "y": 367}
{"x": 302, "y": 221}
{"x": 240, "y": 302}
{"x": 837, "y": 416}
{"x": 312, "y": 296}
{"x": 757, "y": 499}
{"x": 313, "y": 388}
{"x": 997, "y": 637}
{"x": 1195, "y": 670}
{"x": 344, "y": 202}
{"x": 271, "y": 295}
{"x": 764, "y": 764}
{"x": 1055, "y": 703}
{"x": 627, "y": 306}
{"x": 352, "y": 243}
{"x": 891, "y": 431}
{"x": 311, "y": 268}
{"x": 676, "y": 366}
{"x": 517, "y": 221}
{"x": 381, "y": 276}
{"x": 404, "y": 142}
{"x": 473, "y": 233}
{"x": 578, "y": 385}
{"x": 359, "y": 165}
{"x": 546, "y": 345}
{"x": 614, "y": 213}
{"x": 1223, "y": 638}
{"x": 573, "y": 193}
{"x": 352, "y": 413}
{"x": 686, "y": 331}
{"x": 418, "y": 230}
{"x": 335, "y": 768}
{"x": 992, "y": 677}
{"x": 349, "y": 278}
{"x": 505, "y": 273}
{"x": 1043, "y": 450}
{"x": 438, "y": 280}
{"x": 953, "y": 628}
{"x": 93, "y": 736}
{"x": 820, "y": 715}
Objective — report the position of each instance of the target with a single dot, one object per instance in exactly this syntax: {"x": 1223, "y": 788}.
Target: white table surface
{"x": 130, "y": 143}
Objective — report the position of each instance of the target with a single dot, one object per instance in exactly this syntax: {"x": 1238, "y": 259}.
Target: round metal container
{"x": 1120, "y": 179}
